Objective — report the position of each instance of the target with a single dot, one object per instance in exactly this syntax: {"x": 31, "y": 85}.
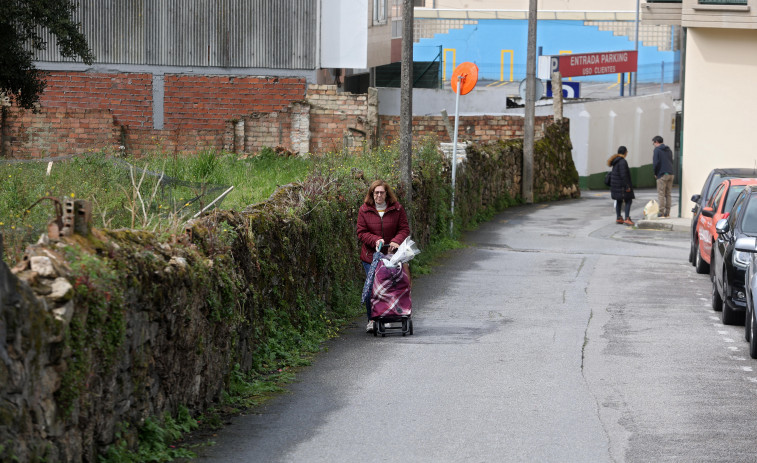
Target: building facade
{"x": 719, "y": 62}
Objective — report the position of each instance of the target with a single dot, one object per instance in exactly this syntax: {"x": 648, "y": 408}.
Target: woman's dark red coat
{"x": 371, "y": 227}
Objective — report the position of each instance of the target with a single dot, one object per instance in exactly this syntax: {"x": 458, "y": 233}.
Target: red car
{"x": 718, "y": 207}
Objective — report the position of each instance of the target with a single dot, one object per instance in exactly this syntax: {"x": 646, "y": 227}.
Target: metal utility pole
{"x": 635, "y": 74}
{"x": 527, "y": 188}
{"x": 406, "y": 103}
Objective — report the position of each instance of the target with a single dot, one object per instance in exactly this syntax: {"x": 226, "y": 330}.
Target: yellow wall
{"x": 719, "y": 105}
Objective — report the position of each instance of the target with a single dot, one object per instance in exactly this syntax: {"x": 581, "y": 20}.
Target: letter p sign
{"x": 555, "y": 65}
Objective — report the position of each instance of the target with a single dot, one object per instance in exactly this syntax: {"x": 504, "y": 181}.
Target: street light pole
{"x": 527, "y": 189}
{"x": 406, "y": 103}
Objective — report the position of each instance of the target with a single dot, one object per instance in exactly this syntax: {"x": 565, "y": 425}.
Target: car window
{"x": 716, "y": 179}
{"x": 731, "y": 195}
{"x": 749, "y": 222}
{"x": 736, "y": 211}
{"x": 716, "y": 197}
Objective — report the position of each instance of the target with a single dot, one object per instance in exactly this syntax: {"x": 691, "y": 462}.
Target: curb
{"x": 664, "y": 224}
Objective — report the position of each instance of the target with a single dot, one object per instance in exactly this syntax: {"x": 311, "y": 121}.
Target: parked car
{"x": 713, "y": 180}
{"x": 729, "y": 264}
{"x": 717, "y": 208}
{"x": 749, "y": 245}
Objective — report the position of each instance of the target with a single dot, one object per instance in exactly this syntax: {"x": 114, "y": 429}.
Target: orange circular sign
{"x": 469, "y": 73}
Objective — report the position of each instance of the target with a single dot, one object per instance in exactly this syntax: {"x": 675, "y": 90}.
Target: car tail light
{"x": 725, "y": 216}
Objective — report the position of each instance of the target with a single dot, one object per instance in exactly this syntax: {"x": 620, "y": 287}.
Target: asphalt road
{"x": 554, "y": 336}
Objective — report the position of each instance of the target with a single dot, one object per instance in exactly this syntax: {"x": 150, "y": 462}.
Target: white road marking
{"x": 722, "y": 332}
{"x": 712, "y": 317}
{"x": 728, "y": 340}
{"x": 733, "y": 348}
{"x": 747, "y": 368}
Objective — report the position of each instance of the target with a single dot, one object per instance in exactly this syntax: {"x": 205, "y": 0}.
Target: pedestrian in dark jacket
{"x": 380, "y": 220}
{"x": 662, "y": 161}
{"x": 621, "y": 189}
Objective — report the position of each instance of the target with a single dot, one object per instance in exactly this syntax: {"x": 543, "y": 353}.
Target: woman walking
{"x": 381, "y": 226}
{"x": 621, "y": 189}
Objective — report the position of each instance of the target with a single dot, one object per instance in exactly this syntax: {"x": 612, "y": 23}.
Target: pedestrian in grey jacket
{"x": 662, "y": 161}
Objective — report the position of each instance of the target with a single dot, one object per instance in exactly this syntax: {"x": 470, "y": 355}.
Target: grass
{"x": 125, "y": 198}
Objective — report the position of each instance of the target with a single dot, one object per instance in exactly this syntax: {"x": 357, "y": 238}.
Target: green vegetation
{"x": 112, "y": 188}
{"x": 22, "y": 24}
{"x": 156, "y": 441}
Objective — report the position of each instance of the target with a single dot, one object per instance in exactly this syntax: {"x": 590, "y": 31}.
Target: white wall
{"x": 720, "y": 100}
{"x": 344, "y": 34}
{"x": 598, "y": 128}
{"x": 429, "y": 102}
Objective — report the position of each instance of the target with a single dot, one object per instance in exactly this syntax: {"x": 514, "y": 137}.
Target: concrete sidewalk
{"x": 678, "y": 224}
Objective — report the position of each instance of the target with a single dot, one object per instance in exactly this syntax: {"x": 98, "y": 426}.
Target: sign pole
{"x": 460, "y": 79}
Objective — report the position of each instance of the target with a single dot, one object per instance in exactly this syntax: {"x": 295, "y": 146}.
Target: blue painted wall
{"x": 482, "y": 44}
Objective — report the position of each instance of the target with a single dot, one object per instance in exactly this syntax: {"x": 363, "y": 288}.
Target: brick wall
{"x": 209, "y": 102}
{"x": 337, "y": 120}
{"x": 198, "y": 111}
{"x": 82, "y": 111}
{"x": 479, "y": 129}
{"x": 58, "y": 132}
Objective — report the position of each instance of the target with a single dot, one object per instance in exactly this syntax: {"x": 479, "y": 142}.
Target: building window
{"x": 379, "y": 11}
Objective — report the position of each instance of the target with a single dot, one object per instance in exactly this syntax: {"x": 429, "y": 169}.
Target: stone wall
{"x": 478, "y": 129}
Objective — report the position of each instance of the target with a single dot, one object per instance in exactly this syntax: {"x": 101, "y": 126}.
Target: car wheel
{"x": 693, "y": 251}
{"x": 753, "y": 340}
{"x": 747, "y": 325}
{"x": 728, "y": 316}
{"x": 717, "y": 301}
{"x": 701, "y": 265}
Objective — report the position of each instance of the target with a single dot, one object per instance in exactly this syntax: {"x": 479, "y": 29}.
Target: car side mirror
{"x": 696, "y": 198}
{"x": 746, "y": 244}
{"x": 722, "y": 226}
{"x": 708, "y": 212}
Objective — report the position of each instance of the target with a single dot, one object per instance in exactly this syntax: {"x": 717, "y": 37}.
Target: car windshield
{"x": 749, "y": 223}
{"x": 733, "y": 193}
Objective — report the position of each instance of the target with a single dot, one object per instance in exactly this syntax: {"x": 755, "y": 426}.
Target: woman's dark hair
{"x": 622, "y": 149}
{"x": 390, "y": 197}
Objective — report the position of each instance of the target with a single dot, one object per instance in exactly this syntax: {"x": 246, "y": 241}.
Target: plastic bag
{"x": 405, "y": 253}
{"x": 651, "y": 209}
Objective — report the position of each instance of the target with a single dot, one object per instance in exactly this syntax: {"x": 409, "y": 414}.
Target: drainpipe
{"x": 683, "y": 114}
{"x": 635, "y": 75}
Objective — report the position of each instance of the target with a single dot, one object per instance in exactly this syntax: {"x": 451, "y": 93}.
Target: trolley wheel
{"x": 375, "y": 328}
{"x": 411, "y": 326}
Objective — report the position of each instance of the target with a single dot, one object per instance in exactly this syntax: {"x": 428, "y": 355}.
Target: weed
{"x": 157, "y": 440}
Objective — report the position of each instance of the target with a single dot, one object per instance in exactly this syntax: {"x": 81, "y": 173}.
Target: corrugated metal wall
{"x": 278, "y": 34}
